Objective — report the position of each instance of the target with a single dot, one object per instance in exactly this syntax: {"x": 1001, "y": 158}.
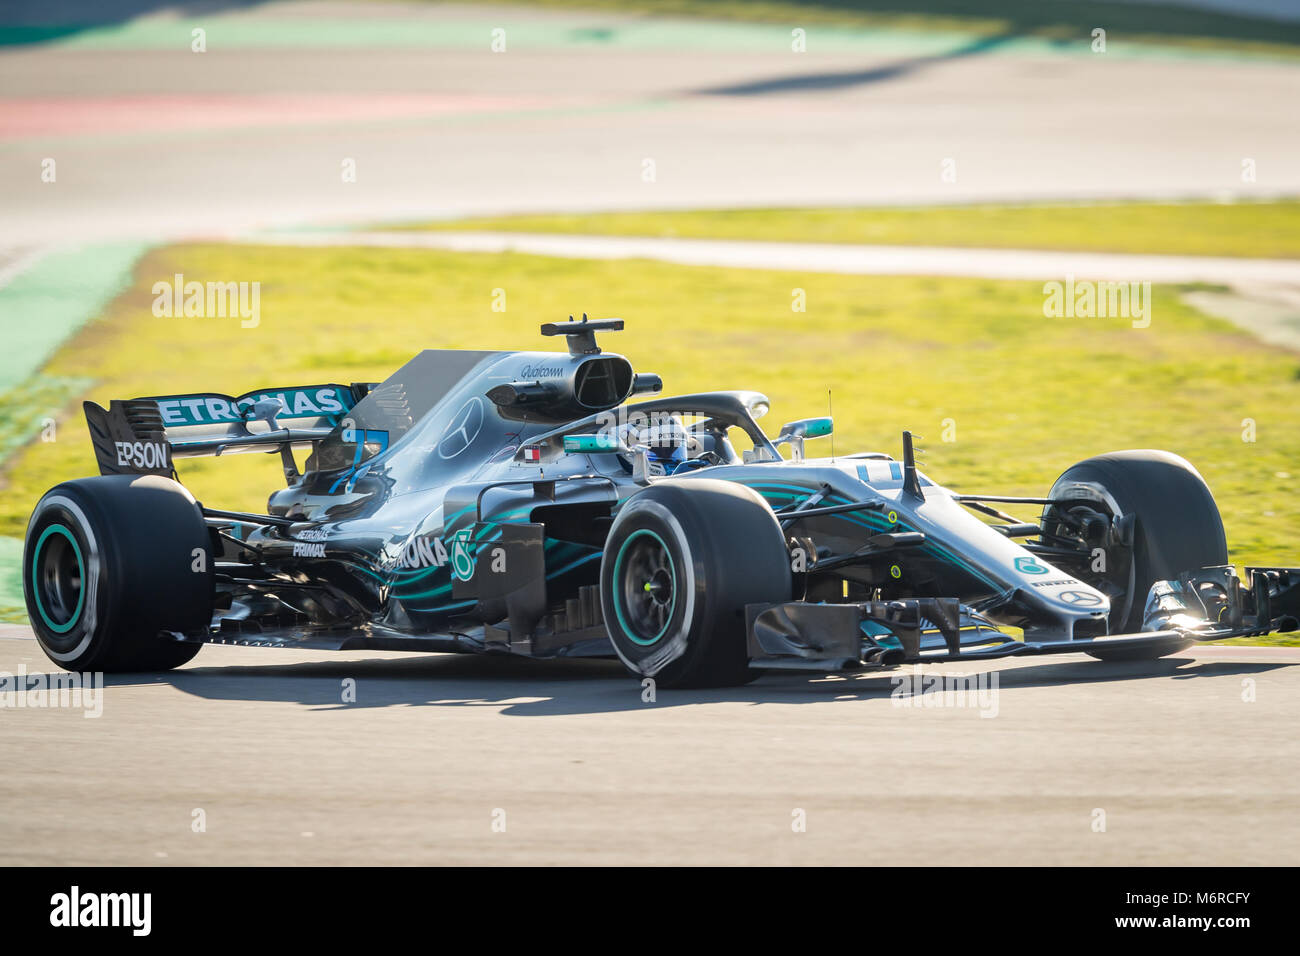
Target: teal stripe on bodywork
{"x": 574, "y": 564}
{"x": 875, "y": 523}
{"x": 552, "y": 546}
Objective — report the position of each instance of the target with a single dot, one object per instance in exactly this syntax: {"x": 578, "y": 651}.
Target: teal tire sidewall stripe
{"x": 36, "y": 579}
{"x": 616, "y": 590}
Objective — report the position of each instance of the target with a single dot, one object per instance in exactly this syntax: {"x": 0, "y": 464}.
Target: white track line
{"x": 831, "y": 257}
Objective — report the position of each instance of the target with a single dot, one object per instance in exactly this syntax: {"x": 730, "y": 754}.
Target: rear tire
{"x": 109, "y": 563}
{"x": 681, "y": 562}
{"x": 1177, "y": 528}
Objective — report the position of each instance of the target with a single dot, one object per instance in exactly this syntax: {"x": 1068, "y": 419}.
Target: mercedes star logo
{"x": 462, "y": 429}
{"x": 1079, "y": 598}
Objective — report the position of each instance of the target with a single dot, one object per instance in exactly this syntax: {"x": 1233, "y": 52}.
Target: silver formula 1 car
{"x": 553, "y": 505}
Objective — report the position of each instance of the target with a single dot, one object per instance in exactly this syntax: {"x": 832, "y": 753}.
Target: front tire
{"x": 111, "y": 562}
{"x": 681, "y": 562}
{"x": 1177, "y": 527}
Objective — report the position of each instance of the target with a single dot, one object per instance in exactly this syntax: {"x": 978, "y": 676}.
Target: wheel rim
{"x": 1102, "y": 581}
{"x": 645, "y": 587}
{"x": 58, "y": 578}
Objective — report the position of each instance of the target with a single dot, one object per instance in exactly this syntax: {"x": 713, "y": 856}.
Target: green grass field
{"x": 1263, "y": 229}
{"x": 1028, "y": 395}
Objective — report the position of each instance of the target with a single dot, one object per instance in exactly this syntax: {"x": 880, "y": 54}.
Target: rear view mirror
{"x": 794, "y": 433}
{"x": 605, "y": 444}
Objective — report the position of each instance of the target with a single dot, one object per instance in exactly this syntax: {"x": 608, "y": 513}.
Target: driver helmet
{"x": 667, "y": 441}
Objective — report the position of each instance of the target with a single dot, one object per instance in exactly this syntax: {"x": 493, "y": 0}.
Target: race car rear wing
{"x": 142, "y": 436}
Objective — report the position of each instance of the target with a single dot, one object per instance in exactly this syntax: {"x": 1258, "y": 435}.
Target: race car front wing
{"x": 1211, "y": 604}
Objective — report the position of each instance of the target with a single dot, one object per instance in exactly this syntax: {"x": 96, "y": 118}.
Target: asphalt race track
{"x": 163, "y": 142}
{"x": 418, "y": 768}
